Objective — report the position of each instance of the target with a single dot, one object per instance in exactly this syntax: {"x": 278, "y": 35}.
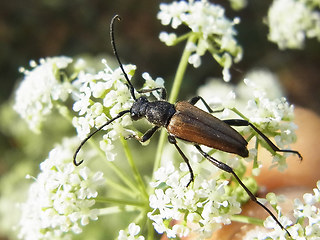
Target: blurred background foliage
{"x": 32, "y": 29}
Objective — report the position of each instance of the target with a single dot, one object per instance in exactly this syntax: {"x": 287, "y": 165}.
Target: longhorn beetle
{"x": 185, "y": 121}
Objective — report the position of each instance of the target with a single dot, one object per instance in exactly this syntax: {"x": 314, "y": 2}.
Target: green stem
{"x": 182, "y": 38}
{"x": 115, "y": 210}
{"x": 117, "y": 201}
{"x": 173, "y": 95}
{"x": 236, "y": 111}
{"x": 150, "y": 230}
{"x": 255, "y": 159}
{"x": 116, "y": 169}
{"x": 120, "y": 188}
{"x": 134, "y": 168}
{"x": 181, "y": 70}
{"x": 247, "y": 219}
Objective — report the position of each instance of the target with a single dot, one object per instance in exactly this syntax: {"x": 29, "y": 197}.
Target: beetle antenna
{"x": 93, "y": 133}
{"x": 115, "y": 52}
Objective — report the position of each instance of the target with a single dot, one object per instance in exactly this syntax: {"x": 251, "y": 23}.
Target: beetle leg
{"x": 228, "y": 169}
{"x": 173, "y": 141}
{"x": 163, "y": 92}
{"x": 146, "y": 136}
{"x": 194, "y": 100}
{"x": 242, "y": 122}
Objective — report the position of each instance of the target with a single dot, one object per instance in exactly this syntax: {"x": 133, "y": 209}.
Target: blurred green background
{"x": 31, "y": 29}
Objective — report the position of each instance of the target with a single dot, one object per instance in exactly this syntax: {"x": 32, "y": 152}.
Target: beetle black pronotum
{"x": 185, "y": 121}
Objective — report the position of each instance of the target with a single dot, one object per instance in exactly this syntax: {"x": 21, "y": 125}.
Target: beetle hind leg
{"x": 228, "y": 169}
{"x": 242, "y": 122}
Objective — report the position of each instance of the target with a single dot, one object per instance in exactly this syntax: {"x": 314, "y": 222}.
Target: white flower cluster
{"x": 40, "y": 88}
{"x": 200, "y": 208}
{"x": 304, "y": 226}
{"x": 308, "y": 210}
{"x": 213, "y": 32}
{"x": 275, "y": 117}
{"x": 131, "y": 234}
{"x": 98, "y": 92}
{"x": 62, "y": 197}
{"x": 261, "y": 106}
{"x": 101, "y": 97}
{"x": 292, "y": 21}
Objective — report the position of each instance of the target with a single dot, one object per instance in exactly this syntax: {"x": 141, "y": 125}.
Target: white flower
{"x": 274, "y": 117}
{"x": 213, "y": 32}
{"x": 62, "y": 197}
{"x": 168, "y": 38}
{"x": 263, "y": 79}
{"x": 223, "y": 97}
{"x": 292, "y": 21}
{"x": 151, "y": 84}
{"x": 131, "y": 234}
{"x": 306, "y": 220}
{"x": 200, "y": 208}
{"x": 101, "y": 97}
{"x": 40, "y": 89}
{"x": 172, "y": 13}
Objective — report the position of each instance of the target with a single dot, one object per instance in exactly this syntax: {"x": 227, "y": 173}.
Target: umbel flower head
{"x": 101, "y": 97}
{"x": 292, "y": 21}
{"x": 200, "y": 208}
{"x": 304, "y": 225}
{"x": 131, "y": 234}
{"x": 40, "y": 89}
{"x": 62, "y": 197}
{"x": 210, "y": 31}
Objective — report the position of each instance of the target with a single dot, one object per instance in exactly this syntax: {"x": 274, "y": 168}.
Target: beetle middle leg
{"x": 228, "y": 169}
{"x": 242, "y": 122}
{"x": 173, "y": 141}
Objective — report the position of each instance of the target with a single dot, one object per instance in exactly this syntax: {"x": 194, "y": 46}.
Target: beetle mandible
{"x": 185, "y": 121}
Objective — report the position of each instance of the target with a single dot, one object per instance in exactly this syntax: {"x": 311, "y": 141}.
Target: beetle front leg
{"x": 228, "y": 169}
{"x": 242, "y": 122}
{"x": 146, "y": 136}
{"x": 173, "y": 141}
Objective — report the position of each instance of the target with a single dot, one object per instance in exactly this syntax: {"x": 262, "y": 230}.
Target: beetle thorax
{"x": 158, "y": 112}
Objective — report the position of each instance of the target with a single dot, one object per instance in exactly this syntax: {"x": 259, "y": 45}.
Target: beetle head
{"x": 138, "y": 109}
